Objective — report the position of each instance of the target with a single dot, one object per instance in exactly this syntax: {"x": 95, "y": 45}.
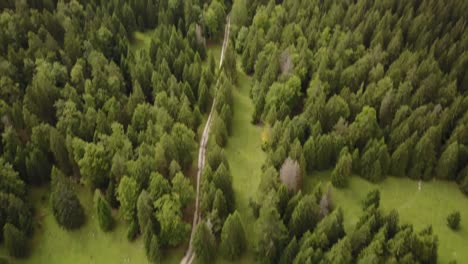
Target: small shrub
{"x": 453, "y": 220}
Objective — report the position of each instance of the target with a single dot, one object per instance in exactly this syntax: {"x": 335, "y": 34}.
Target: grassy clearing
{"x": 430, "y": 206}
{"x": 51, "y": 244}
{"x": 245, "y": 158}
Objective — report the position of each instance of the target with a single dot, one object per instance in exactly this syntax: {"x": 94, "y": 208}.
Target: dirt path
{"x": 190, "y": 255}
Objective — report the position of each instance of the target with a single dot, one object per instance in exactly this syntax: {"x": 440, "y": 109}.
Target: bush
{"x": 453, "y": 220}
{"x": 15, "y": 241}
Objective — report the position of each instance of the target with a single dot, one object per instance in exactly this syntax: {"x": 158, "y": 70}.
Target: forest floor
{"x": 430, "y": 206}
{"x": 52, "y": 244}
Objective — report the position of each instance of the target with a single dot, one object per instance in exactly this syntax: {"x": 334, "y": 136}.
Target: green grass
{"x": 430, "y": 206}
{"x": 245, "y": 158}
{"x": 52, "y": 244}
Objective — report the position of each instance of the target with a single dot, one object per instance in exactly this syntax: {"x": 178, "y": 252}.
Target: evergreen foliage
{"x": 204, "y": 243}
{"x": 15, "y": 241}
{"x": 65, "y": 204}
{"x": 233, "y": 238}
{"x": 453, "y": 220}
{"x": 103, "y": 211}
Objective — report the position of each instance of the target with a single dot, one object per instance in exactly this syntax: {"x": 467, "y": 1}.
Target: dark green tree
{"x": 372, "y": 199}
{"x": 230, "y": 63}
{"x": 144, "y": 210}
{"x": 448, "y": 163}
{"x": 343, "y": 169}
{"x": 182, "y": 186}
{"x": 214, "y": 17}
{"x": 154, "y": 252}
{"x": 220, "y": 204}
{"x": 290, "y": 252}
{"x": 65, "y": 204}
{"x": 127, "y": 194}
{"x": 270, "y": 234}
{"x": 169, "y": 215}
{"x": 204, "y": 243}
{"x": 305, "y": 216}
{"x": 15, "y": 241}
{"x": 103, "y": 211}
{"x": 453, "y": 220}
{"x": 233, "y": 239}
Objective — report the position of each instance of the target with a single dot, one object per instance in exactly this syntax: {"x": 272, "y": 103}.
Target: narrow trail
{"x": 190, "y": 255}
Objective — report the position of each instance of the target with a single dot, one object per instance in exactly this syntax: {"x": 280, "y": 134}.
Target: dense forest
{"x": 358, "y": 87}
{"x": 372, "y": 88}
{"x": 79, "y": 105}
{"x": 385, "y": 79}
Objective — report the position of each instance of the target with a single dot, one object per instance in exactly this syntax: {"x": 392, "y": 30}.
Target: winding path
{"x": 190, "y": 255}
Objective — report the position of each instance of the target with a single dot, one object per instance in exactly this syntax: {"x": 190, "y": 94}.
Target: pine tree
{"x": 65, "y": 204}
{"x": 15, "y": 241}
{"x": 204, "y": 243}
{"x": 448, "y": 163}
{"x": 305, "y": 216}
{"x": 233, "y": 241}
{"x": 103, "y": 211}
{"x": 343, "y": 169}
{"x": 154, "y": 254}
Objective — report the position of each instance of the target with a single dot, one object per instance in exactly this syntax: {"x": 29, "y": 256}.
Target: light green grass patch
{"x": 430, "y": 206}
{"x": 245, "y": 158}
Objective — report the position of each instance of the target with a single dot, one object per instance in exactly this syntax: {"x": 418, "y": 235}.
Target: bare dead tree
{"x": 199, "y": 34}
{"x": 6, "y": 120}
{"x": 341, "y": 127}
{"x": 286, "y": 62}
{"x": 326, "y": 205}
{"x": 290, "y": 174}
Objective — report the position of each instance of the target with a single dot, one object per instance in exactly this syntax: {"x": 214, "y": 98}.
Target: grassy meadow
{"x": 245, "y": 158}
